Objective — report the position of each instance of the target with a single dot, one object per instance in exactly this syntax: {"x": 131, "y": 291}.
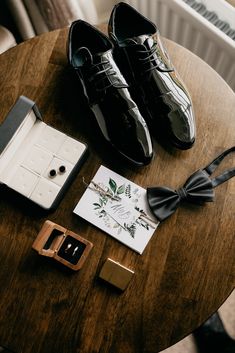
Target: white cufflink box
{"x": 31, "y": 149}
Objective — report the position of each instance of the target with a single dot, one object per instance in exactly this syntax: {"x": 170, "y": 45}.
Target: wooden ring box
{"x": 62, "y": 245}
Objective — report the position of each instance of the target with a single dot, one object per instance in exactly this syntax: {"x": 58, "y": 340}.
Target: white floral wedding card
{"x": 119, "y": 207}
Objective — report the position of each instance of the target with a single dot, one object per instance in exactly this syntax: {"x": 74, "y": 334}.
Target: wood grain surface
{"x": 186, "y": 271}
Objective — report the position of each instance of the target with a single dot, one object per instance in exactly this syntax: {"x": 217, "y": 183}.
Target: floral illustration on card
{"x": 119, "y": 207}
{"x": 117, "y": 195}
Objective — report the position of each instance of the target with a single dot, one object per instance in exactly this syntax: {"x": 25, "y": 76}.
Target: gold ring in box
{"x": 62, "y": 245}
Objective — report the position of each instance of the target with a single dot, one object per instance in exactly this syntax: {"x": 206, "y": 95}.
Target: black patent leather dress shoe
{"x": 154, "y": 84}
{"x": 106, "y": 90}
{"x": 212, "y": 337}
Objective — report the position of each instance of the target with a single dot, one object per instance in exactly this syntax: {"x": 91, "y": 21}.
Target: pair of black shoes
{"x": 130, "y": 84}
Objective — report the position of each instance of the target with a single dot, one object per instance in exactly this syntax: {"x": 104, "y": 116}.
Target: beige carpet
{"x": 227, "y": 314}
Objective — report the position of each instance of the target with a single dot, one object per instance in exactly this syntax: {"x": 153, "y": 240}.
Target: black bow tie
{"x": 198, "y": 188}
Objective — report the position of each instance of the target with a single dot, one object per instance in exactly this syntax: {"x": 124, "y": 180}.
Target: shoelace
{"x": 151, "y": 59}
{"x": 101, "y": 75}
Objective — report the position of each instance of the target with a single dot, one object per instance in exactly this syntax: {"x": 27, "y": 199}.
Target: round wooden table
{"x": 186, "y": 271}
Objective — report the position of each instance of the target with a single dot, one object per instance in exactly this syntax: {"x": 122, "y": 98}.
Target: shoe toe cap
{"x": 135, "y": 142}
{"x": 183, "y": 129}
